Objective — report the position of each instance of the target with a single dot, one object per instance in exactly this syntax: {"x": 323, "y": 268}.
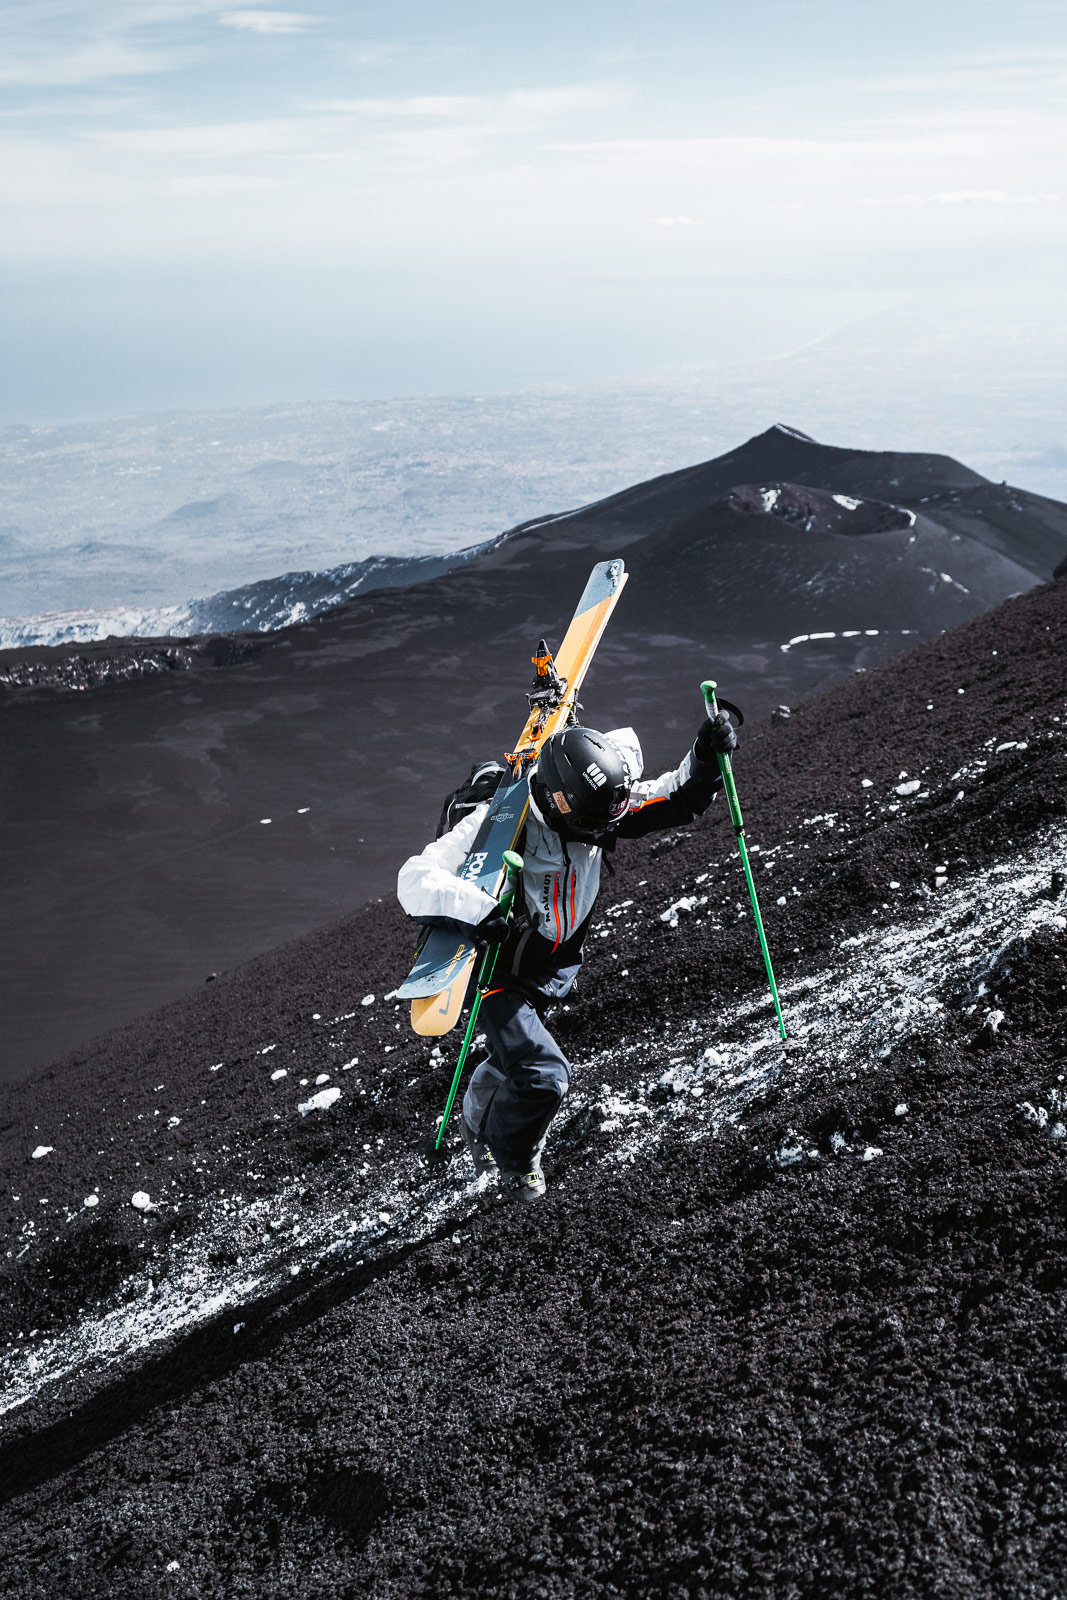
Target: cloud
{"x": 70, "y": 43}
{"x": 540, "y": 104}
{"x": 40, "y": 175}
{"x": 372, "y": 55}
{"x": 211, "y": 140}
{"x": 89, "y": 64}
{"x": 696, "y": 150}
{"x": 1007, "y": 70}
{"x": 269, "y": 21}
{"x": 417, "y": 133}
{"x": 678, "y": 222}
{"x": 81, "y": 105}
{"x": 960, "y": 197}
{"x": 203, "y": 186}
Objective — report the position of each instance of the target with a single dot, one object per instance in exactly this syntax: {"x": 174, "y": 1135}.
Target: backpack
{"x": 482, "y": 785}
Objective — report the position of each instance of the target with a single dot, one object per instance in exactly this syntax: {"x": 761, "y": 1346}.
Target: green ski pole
{"x": 707, "y": 689}
{"x": 512, "y": 868}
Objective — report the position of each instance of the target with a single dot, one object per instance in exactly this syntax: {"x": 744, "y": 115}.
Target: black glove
{"x": 717, "y": 736}
{"x": 492, "y": 929}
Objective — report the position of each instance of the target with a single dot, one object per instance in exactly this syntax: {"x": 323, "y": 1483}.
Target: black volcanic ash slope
{"x": 816, "y": 1351}
{"x": 132, "y": 842}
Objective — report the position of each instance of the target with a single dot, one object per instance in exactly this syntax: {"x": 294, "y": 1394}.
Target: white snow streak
{"x": 847, "y": 633}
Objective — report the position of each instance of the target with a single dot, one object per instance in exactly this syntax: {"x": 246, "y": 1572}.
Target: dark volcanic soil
{"x": 717, "y": 1368}
{"x": 134, "y": 848}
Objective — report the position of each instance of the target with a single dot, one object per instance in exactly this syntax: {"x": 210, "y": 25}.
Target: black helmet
{"x": 581, "y": 784}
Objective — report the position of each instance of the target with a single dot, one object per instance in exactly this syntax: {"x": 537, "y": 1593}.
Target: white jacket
{"x": 560, "y": 879}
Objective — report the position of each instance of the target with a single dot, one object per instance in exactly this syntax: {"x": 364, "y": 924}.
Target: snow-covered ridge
{"x": 892, "y": 984}
{"x": 256, "y": 607}
{"x": 85, "y": 627}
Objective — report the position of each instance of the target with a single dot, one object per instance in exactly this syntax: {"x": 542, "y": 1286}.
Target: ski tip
{"x": 605, "y": 582}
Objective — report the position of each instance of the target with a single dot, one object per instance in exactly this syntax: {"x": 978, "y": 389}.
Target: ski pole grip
{"x": 707, "y": 689}
{"x": 513, "y": 865}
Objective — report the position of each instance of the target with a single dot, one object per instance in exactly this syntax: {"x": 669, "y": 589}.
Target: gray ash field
{"x": 791, "y": 1321}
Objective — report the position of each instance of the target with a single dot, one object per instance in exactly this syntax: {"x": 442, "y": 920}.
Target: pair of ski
{"x": 438, "y": 982}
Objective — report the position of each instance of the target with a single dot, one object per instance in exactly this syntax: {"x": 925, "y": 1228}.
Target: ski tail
{"x": 434, "y": 1015}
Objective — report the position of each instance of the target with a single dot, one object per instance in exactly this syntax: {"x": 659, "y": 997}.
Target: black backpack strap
{"x": 481, "y": 784}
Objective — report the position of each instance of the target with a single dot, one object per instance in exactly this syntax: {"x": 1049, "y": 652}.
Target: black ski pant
{"x": 514, "y": 1094}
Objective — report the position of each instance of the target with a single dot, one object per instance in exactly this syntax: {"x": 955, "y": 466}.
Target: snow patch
{"x": 791, "y": 1152}
{"x": 682, "y": 908}
{"x": 319, "y": 1102}
{"x": 1047, "y": 1119}
{"x": 791, "y": 433}
{"x": 848, "y": 633}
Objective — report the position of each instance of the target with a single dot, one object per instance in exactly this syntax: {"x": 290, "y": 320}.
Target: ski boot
{"x": 481, "y": 1156}
{"x": 523, "y": 1187}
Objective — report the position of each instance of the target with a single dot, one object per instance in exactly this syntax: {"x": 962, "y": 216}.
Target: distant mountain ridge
{"x": 260, "y": 607}
{"x": 1029, "y": 528}
{"x": 1023, "y": 527}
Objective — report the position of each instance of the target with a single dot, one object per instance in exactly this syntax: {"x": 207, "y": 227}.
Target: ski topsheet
{"x": 437, "y": 983}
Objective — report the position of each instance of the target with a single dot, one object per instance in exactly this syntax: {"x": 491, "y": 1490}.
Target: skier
{"x": 586, "y": 792}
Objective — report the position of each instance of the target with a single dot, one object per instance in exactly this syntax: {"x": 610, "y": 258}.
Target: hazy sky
{"x": 206, "y": 205}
